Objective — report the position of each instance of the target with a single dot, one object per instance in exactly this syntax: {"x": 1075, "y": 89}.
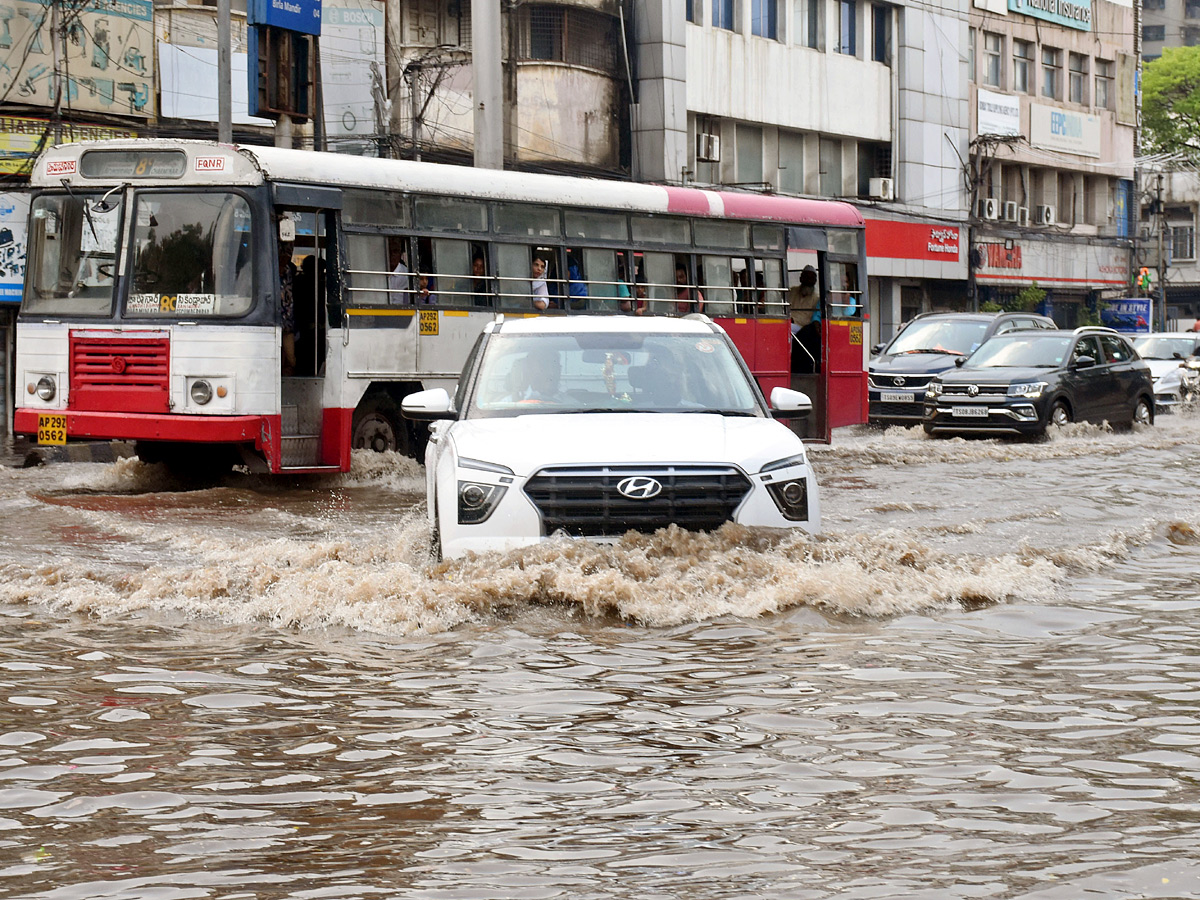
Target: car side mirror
{"x": 428, "y": 406}
{"x": 877, "y": 349}
{"x": 960, "y": 361}
{"x": 1083, "y": 362}
{"x": 789, "y": 404}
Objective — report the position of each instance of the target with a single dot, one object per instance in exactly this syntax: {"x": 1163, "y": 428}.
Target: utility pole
{"x": 489, "y": 84}
{"x": 1160, "y": 317}
{"x": 224, "y": 75}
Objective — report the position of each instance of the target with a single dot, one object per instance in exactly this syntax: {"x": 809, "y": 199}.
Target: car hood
{"x": 997, "y": 375}
{"x": 527, "y": 443}
{"x": 1160, "y": 367}
{"x": 912, "y": 363}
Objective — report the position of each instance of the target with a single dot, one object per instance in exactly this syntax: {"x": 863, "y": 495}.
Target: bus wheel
{"x": 377, "y": 426}
{"x": 198, "y": 464}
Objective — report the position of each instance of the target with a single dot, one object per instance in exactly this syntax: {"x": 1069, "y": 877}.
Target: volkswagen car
{"x": 1173, "y": 361}
{"x": 1025, "y": 381}
{"x": 899, "y": 371}
{"x": 592, "y": 427}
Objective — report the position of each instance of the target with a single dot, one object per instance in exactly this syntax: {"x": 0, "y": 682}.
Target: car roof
{"x": 559, "y": 324}
{"x": 1190, "y": 335}
{"x": 977, "y": 316}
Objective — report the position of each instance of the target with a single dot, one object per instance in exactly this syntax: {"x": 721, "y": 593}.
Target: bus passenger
{"x": 684, "y": 303}
{"x": 287, "y": 304}
{"x": 425, "y": 294}
{"x": 540, "y": 292}
{"x": 576, "y": 286}
{"x": 399, "y": 283}
{"x": 479, "y": 282}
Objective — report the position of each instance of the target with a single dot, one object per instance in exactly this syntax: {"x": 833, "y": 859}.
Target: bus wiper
{"x": 87, "y": 213}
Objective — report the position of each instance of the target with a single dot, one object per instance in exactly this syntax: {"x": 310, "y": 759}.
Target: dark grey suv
{"x": 929, "y": 344}
{"x": 1024, "y": 381}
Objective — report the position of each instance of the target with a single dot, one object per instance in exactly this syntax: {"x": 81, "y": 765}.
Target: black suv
{"x": 929, "y": 344}
{"x": 1022, "y": 382}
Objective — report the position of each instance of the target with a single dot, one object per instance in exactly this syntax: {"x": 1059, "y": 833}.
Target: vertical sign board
{"x": 14, "y": 210}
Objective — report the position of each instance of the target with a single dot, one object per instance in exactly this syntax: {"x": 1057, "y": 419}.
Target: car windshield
{"x": 1165, "y": 347}
{"x": 523, "y": 374}
{"x": 1024, "y": 349}
{"x": 939, "y": 336}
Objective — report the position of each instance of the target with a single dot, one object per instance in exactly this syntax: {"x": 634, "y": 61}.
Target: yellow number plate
{"x": 52, "y": 430}
{"x": 429, "y": 321}
{"x": 856, "y": 334}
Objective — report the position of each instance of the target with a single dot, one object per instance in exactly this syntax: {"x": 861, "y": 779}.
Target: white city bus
{"x": 222, "y": 304}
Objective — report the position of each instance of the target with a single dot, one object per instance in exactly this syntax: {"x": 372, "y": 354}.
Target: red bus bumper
{"x": 106, "y": 426}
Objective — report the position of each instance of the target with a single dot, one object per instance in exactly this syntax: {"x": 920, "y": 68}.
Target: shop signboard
{"x": 1064, "y": 130}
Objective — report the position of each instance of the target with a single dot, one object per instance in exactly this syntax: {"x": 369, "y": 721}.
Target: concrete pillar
{"x": 489, "y": 84}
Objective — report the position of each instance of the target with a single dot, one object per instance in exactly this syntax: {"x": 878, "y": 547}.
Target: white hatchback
{"x": 589, "y": 427}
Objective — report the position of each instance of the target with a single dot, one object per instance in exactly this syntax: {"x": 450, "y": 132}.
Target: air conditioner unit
{"x": 882, "y": 189}
{"x": 1022, "y": 215}
{"x": 1044, "y": 215}
{"x": 708, "y": 148}
{"x": 1010, "y": 211}
{"x": 988, "y": 208}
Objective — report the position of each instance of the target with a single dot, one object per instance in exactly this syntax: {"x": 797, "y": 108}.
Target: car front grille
{"x": 888, "y": 382}
{"x": 897, "y": 410}
{"x": 961, "y": 390}
{"x": 586, "y": 502}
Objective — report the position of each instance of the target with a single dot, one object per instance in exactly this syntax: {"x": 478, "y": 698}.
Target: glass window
{"x": 772, "y": 299}
{"x": 1022, "y": 64}
{"x": 1153, "y": 32}
{"x": 1191, "y": 9}
{"x": 844, "y": 242}
{"x": 717, "y": 284}
{"x": 812, "y": 20}
{"x": 526, "y": 221}
{"x": 655, "y": 275}
{"x": 1115, "y": 349}
{"x": 791, "y": 162}
{"x": 831, "y": 167}
{"x": 1183, "y": 241}
{"x": 844, "y": 294}
{"x": 763, "y": 18}
{"x": 648, "y": 230}
{"x": 374, "y": 208}
{"x": 1051, "y": 71}
{"x": 1104, "y": 80}
{"x": 722, "y": 14}
{"x": 993, "y": 50}
{"x": 768, "y": 237}
{"x": 848, "y": 27}
{"x": 72, "y": 255}
{"x": 597, "y": 226}
{"x": 1086, "y": 346}
{"x": 606, "y": 282}
{"x": 881, "y": 31}
{"x": 749, "y": 154}
{"x": 732, "y": 235}
{"x": 971, "y": 54}
{"x": 460, "y": 272}
{"x": 516, "y": 277}
{"x": 1077, "y": 65}
{"x": 446, "y": 214}
{"x": 191, "y": 255}
{"x": 693, "y": 11}
{"x": 367, "y": 278}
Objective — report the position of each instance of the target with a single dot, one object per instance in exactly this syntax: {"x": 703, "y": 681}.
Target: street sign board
{"x": 1131, "y": 315}
{"x": 294, "y": 15}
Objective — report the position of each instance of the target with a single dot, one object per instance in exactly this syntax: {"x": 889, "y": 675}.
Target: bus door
{"x": 843, "y": 339}
{"x": 809, "y": 368}
{"x": 307, "y": 271}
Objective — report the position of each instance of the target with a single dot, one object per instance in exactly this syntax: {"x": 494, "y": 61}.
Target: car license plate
{"x": 896, "y": 397}
{"x": 52, "y": 429}
{"x": 970, "y": 412}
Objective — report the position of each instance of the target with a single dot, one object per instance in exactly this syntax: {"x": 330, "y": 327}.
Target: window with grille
{"x": 1183, "y": 241}
{"x": 576, "y": 36}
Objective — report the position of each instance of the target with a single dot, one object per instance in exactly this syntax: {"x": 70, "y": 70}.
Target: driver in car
{"x": 537, "y": 379}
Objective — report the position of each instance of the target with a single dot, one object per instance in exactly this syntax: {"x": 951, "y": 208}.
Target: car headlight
{"x": 933, "y": 389}
{"x": 1169, "y": 379}
{"x": 1031, "y": 390}
{"x": 46, "y": 388}
{"x": 477, "y": 501}
{"x": 791, "y": 497}
{"x": 201, "y": 392}
{"x": 786, "y": 463}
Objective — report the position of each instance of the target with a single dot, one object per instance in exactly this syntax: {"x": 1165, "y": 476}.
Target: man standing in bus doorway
{"x": 287, "y": 303}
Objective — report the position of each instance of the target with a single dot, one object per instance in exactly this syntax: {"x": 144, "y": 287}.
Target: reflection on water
{"x": 982, "y": 681}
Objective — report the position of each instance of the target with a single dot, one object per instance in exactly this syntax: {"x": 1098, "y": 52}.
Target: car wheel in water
{"x": 928, "y": 429}
{"x": 1060, "y": 414}
{"x": 377, "y": 426}
{"x": 1143, "y": 413}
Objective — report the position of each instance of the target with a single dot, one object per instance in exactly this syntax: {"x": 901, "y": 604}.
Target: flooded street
{"x": 983, "y": 681}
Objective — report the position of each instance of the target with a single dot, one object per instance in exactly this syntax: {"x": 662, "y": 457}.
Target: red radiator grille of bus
{"x": 119, "y": 374}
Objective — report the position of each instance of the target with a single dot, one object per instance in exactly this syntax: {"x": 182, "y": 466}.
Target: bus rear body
{"x": 224, "y": 305}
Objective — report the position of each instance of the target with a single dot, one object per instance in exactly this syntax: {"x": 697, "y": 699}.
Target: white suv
{"x": 593, "y": 426}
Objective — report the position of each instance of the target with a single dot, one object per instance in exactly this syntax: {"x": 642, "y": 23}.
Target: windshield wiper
{"x": 932, "y": 350}
{"x": 716, "y": 412}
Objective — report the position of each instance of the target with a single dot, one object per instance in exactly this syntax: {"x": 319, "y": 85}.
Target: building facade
{"x": 1053, "y": 113}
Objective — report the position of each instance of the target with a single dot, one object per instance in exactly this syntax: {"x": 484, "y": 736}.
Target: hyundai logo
{"x": 973, "y": 390}
{"x": 639, "y": 487}
{"x": 898, "y": 381}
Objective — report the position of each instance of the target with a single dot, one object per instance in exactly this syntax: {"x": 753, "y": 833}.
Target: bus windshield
{"x": 73, "y": 240}
{"x": 192, "y": 255}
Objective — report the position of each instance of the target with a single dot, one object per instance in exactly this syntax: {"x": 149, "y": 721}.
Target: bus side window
{"x": 399, "y": 268}
{"x": 769, "y": 281}
{"x": 577, "y": 286}
{"x": 367, "y": 277}
{"x": 460, "y": 269}
{"x": 513, "y": 276}
{"x": 717, "y": 282}
{"x": 658, "y": 274}
{"x": 844, "y": 297}
{"x": 604, "y": 282}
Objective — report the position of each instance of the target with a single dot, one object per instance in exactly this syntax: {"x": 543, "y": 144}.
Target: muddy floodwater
{"x": 982, "y": 681}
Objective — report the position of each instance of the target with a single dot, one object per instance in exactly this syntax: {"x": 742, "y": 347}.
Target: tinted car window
{"x": 1086, "y": 346}
{"x": 1115, "y": 349}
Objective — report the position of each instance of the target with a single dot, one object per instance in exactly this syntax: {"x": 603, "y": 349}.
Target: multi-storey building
{"x": 1052, "y": 150}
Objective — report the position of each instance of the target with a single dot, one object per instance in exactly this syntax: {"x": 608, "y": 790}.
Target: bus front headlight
{"x": 201, "y": 392}
{"x": 46, "y": 388}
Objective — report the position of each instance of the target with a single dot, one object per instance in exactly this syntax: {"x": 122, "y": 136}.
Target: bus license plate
{"x": 52, "y": 430}
{"x": 888, "y": 397}
{"x": 970, "y": 412}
